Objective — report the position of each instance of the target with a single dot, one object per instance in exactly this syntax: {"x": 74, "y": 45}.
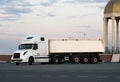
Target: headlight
{"x": 25, "y": 52}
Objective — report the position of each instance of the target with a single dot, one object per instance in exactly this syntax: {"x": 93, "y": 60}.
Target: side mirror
{"x": 35, "y": 46}
{"x": 19, "y": 47}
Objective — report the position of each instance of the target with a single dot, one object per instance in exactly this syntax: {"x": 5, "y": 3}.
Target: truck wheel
{"x": 55, "y": 60}
{"x": 62, "y": 60}
{"x": 85, "y": 60}
{"x": 31, "y": 60}
{"x": 76, "y": 59}
{"x": 17, "y": 63}
{"x": 95, "y": 60}
{"x": 51, "y": 61}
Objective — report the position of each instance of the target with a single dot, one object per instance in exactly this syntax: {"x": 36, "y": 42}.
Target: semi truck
{"x": 38, "y": 48}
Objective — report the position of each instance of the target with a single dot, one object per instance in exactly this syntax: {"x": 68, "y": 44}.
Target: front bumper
{"x": 16, "y": 60}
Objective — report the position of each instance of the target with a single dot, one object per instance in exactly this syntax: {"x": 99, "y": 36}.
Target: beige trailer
{"x": 76, "y": 46}
{"x": 84, "y": 51}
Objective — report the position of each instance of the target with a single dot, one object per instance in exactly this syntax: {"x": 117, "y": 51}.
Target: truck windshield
{"x": 25, "y": 46}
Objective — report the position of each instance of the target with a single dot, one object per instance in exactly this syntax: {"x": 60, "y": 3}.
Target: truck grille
{"x": 16, "y": 55}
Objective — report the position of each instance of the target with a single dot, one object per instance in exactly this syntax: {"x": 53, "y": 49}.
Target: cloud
{"x": 85, "y": 1}
{"x": 47, "y": 2}
{"x": 13, "y": 9}
{"x": 16, "y": 11}
{"x": 99, "y": 1}
{"x": 84, "y": 26}
{"x": 51, "y": 14}
{"x": 88, "y": 3}
{"x": 14, "y": 3}
{"x": 9, "y": 34}
{"x": 7, "y": 17}
{"x": 1, "y": 25}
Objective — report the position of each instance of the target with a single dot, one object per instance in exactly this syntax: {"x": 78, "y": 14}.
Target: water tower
{"x": 112, "y": 12}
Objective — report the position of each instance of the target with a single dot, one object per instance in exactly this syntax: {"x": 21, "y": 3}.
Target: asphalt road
{"x": 102, "y": 72}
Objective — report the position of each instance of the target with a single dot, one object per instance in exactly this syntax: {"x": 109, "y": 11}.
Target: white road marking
{"x": 63, "y": 76}
{"x": 83, "y": 76}
{"x": 73, "y": 71}
{"x": 101, "y": 77}
{"x": 11, "y": 71}
{"x": 46, "y": 76}
{"x": 28, "y": 76}
{"x": 10, "y": 76}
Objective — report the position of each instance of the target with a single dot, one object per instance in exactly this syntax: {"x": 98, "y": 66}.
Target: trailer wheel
{"x": 85, "y": 60}
{"x": 31, "y": 60}
{"x": 17, "y": 63}
{"x": 76, "y": 59}
{"x": 61, "y": 60}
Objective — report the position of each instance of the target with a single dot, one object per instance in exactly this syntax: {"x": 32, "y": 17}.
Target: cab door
{"x": 36, "y": 52}
{"x": 44, "y": 57}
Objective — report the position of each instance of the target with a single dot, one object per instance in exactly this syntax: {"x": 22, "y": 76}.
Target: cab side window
{"x": 35, "y": 46}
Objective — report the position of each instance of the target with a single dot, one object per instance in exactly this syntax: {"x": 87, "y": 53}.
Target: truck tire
{"x": 55, "y": 60}
{"x": 61, "y": 60}
{"x": 94, "y": 60}
{"x": 31, "y": 60}
{"x": 17, "y": 63}
{"x": 85, "y": 60}
{"x": 76, "y": 59}
{"x": 51, "y": 61}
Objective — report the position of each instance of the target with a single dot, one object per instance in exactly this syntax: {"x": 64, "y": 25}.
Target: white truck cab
{"x": 33, "y": 48}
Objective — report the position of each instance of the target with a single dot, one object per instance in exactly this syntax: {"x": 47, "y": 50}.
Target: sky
{"x": 55, "y": 18}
